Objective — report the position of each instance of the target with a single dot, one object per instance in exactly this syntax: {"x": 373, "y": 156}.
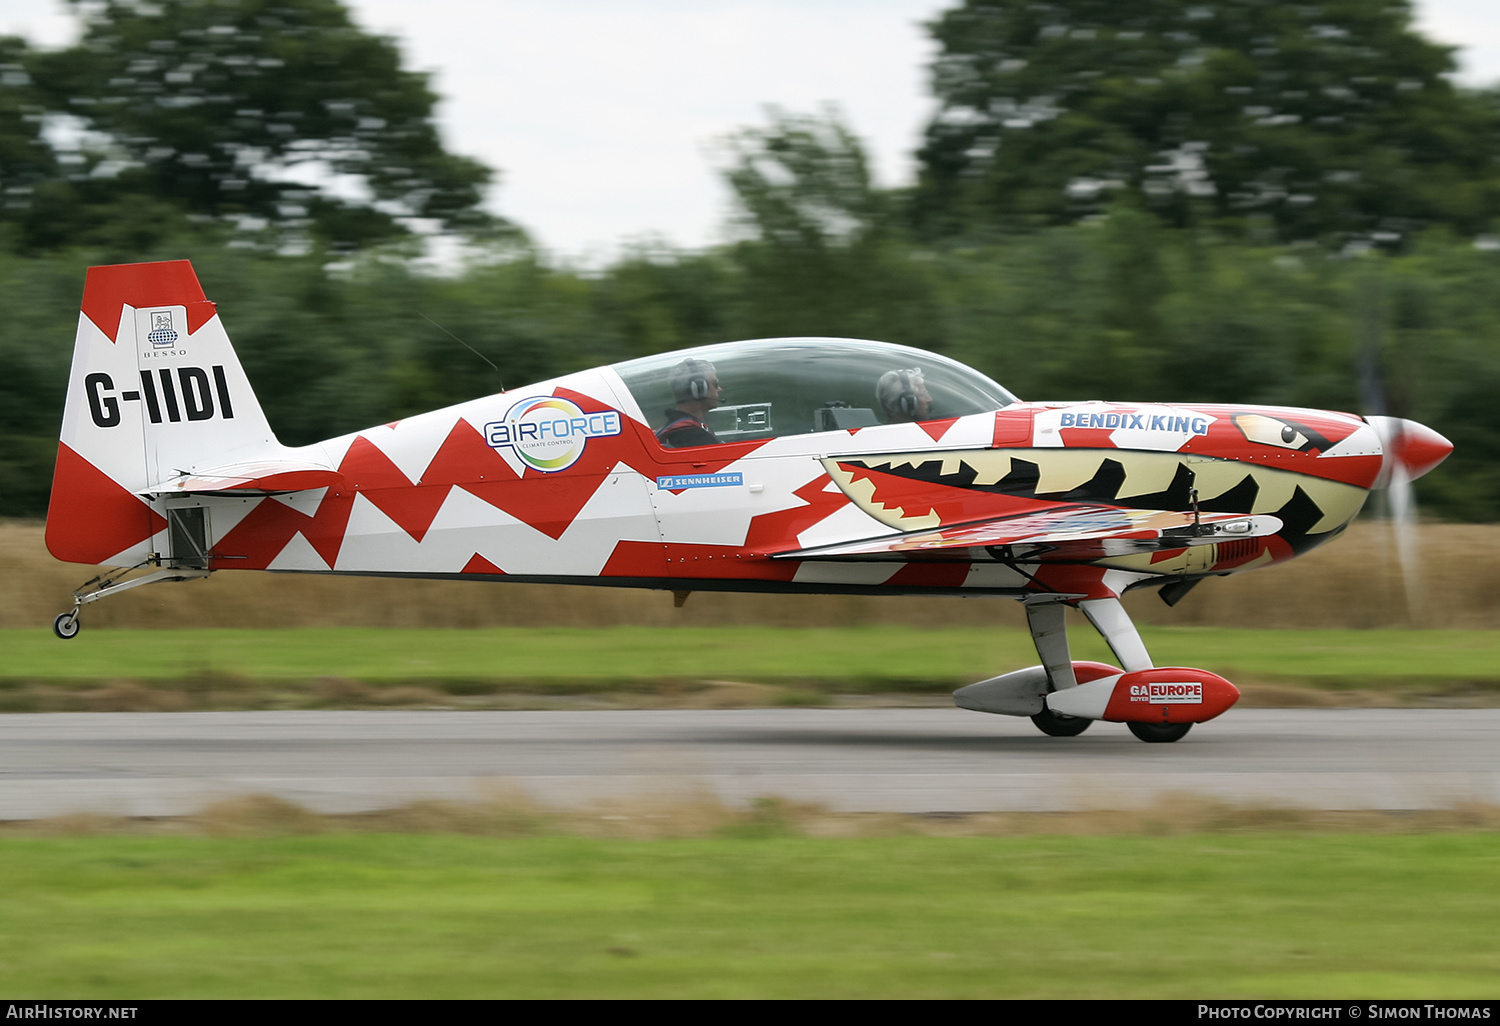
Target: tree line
{"x": 1236, "y": 202}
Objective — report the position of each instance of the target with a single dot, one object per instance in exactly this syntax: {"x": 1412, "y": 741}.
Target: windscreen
{"x": 774, "y": 387}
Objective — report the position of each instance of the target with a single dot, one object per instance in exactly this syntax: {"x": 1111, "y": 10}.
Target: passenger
{"x": 695, "y": 390}
{"x": 903, "y": 396}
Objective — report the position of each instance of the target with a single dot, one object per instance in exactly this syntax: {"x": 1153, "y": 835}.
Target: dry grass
{"x": 698, "y": 813}
{"x": 211, "y": 693}
{"x": 1355, "y": 582}
{"x": 1352, "y": 582}
{"x": 343, "y": 693}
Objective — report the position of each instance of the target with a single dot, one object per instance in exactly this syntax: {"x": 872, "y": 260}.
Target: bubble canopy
{"x": 794, "y": 386}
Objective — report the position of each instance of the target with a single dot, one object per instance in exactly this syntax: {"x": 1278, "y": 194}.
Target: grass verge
{"x": 519, "y": 667}
{"x": 259, "y": 899}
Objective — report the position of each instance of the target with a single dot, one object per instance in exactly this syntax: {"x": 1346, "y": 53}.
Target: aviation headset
{"x": 907, "y": 402}
{"x": 690, "y": 379}
{"x": 698, "y": 386}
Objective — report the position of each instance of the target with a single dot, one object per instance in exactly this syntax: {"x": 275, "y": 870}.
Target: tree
{"x": 27, "y": 163}
{"x": 803, "y": 182}
{"x": 819, "y": 250}
{"x": 229, "y": 109}
{"x": 1330, "y": 119}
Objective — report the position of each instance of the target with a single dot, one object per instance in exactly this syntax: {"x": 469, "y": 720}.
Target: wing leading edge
{"x": 1055, "y": 531}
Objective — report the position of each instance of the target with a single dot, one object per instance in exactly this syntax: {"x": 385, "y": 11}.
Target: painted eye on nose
{"x": 1283, "y": 434}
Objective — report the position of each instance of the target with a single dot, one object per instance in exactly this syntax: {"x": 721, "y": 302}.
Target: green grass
{"x": 861, "y": 658}
{"x": 398, "y": 916}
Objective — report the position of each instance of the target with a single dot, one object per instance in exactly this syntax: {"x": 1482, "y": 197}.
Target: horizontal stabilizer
{"x": 1133, "y": 530}
{"x": 258, "y": 477}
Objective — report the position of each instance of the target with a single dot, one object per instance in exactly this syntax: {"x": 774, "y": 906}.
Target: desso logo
{"x": 549, "y": 434}
{"x": 162, "y": 335}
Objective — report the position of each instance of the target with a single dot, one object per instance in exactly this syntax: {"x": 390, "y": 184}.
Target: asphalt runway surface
{"x": 856, "y": 760}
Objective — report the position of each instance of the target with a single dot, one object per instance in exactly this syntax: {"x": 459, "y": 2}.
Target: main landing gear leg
{"x": 1114, "y": 624}
{"x": 1050, "y": 635}
{"x": 1110, "y": 619}
{"x": 1049, "y": 632}
{"x": 66, "y": 625}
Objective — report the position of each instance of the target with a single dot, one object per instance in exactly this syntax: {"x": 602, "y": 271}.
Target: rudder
{"x": 155, "y": 391}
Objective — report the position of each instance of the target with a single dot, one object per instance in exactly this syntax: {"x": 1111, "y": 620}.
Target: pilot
{"x": 695, "y": 390}
{"x": 903, "y": 396}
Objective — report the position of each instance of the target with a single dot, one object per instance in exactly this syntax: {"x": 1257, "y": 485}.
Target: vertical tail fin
{"x": 155, "y": 392}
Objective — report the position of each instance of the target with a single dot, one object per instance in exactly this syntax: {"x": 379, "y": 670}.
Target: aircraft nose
{"x": 1416, "y": 448}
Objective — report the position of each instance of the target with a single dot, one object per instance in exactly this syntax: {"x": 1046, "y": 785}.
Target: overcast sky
{"x": 602, "y": 116}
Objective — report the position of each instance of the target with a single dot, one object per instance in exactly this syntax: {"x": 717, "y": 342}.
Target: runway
{"x": 856, "y": 760}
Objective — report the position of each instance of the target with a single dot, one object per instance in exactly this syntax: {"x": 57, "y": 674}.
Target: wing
{"x": 1065, "y": 531}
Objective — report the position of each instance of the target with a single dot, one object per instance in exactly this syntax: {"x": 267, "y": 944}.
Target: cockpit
{"x": 741, "y": 391}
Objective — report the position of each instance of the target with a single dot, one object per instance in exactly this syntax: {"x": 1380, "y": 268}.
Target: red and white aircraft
{"x": 792, "y": 465}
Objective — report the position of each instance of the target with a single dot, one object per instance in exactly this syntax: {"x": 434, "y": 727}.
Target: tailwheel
{"x": 1159, "y": 733}
{"x": 1058, "y": 725}
{"x": 66, "y": 625}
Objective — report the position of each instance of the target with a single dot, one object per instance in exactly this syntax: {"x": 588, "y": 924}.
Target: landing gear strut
{"x": 1063, "y": 696}
{"x": 1049, "y": 633}
{"x": 66, "y": 625}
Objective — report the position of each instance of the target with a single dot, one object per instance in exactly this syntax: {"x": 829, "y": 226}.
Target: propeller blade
{"x": 1410, "y": 450}
{"x": 1403, "y": 509}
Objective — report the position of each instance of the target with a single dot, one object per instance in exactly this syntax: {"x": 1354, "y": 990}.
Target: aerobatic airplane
{"x": 810, "y": 465}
